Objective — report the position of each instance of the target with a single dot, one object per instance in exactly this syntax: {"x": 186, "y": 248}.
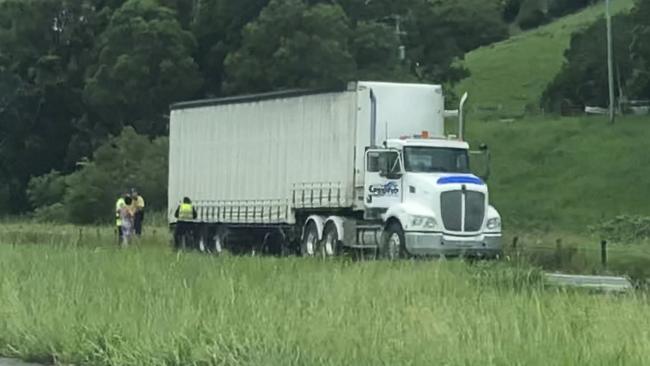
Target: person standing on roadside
{"x": 126, "y": 216}
{"x": 119, "y": 204}
{"x": 185, "y": 215}
{"x": 138, "y": 218}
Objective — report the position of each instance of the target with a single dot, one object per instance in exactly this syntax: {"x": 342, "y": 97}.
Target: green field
{"x": 508, "y": 78}
{"x": 149, "y": 306}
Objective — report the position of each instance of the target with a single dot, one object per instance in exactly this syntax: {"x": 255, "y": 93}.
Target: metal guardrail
{"x": 12, "y": 362}
{"x": 604, "y": 283}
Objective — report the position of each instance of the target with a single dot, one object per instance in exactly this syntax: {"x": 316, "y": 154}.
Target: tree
{"x": 639, "y": 80}
{"x": 375, "y": 48}
{"x": 44, "y": 46}
{"x": 218, "y": 26}
{"x": 583, "y": 79}
{"x": 291, "y": 45}
{"x": 442, "y": 31}
{"x": 144, "y": 64}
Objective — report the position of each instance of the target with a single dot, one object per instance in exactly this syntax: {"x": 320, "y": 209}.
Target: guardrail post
{"x": 603, "y": 253}
{"x": 559, "y": 258}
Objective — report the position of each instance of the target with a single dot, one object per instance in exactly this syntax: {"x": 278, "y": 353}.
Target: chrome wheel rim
{"x": 218, "y": 245}
{"x": 202, "y": 244}
{"x": 310, "y": 244}
{"x": 330, "y": 244}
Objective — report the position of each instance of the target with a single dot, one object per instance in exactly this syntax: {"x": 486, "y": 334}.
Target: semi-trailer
{"x": 367, "y": 168}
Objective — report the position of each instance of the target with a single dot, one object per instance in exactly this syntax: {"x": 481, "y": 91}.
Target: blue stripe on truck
{"x": 461, "y": 179}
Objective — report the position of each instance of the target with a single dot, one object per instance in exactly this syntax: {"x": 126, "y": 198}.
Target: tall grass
{"x": 26, "y": 232}
{"x": 150, "y": 306}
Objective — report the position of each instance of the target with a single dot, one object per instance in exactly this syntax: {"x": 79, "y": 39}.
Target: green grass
{"x": 147, "y": 306}
{"x": 508, "y": 78}
{"x": 567, "y": 174}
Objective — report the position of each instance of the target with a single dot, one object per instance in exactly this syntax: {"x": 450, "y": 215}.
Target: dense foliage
{"x": 583, "y": 79}
{"x": 74, "y": 72}
{"x": 88, "y": 195}
{"x": 532, "y": 13}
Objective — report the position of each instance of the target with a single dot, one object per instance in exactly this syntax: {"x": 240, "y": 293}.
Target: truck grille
{"x": 451, "y": 204}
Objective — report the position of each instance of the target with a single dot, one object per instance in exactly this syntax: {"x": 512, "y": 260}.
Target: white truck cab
{"x": 429, "y": 201}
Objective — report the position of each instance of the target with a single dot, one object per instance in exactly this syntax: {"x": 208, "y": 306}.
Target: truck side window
{"x": 387, "y": 161}
{"x": 373, "y": 163}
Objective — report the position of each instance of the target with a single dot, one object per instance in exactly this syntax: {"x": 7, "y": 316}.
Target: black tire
{"x": 203, "y": 239}
{"x": 275, "y": 243}
{"x": 393, "y": 244}
{"x": 310, "y": 245}
{"x": 331, "y": 246}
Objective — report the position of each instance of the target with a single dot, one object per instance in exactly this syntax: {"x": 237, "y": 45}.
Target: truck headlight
{"x": 423, "y": 222}
{"x": 494, "y": 224}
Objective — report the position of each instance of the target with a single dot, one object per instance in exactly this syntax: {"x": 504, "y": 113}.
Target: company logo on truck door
{"x": 380, "y": 190}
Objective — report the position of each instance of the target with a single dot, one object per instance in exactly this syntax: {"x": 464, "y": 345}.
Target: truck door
{"x": 382, "y": 181}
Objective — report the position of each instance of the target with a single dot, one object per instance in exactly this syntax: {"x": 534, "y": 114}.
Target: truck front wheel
{"x": 393, "y": 242}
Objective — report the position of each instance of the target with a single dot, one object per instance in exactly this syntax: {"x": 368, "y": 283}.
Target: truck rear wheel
{"x": 393, "y": 243}
{"x": 310, "y": 243}
{"x": 219, "y": 241}
{"x": 331, "y": 246}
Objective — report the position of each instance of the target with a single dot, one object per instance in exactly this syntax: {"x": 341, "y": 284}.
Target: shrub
{"x": 46, "y": 190}
{"x": 88, "y": 195}
{"x": 624, "y": 229}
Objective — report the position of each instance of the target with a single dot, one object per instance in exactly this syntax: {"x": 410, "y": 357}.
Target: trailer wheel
{"x": 218, "y": 242}
{"x": 275, "y": 243}
{"x": 310, "y": 243}
{"x": 331, "y": 246}
{"x": 203, "y": 239}
{"x": 393, "y": 242}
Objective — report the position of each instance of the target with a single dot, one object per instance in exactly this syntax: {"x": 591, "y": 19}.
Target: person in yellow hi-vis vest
{"x": 119, "y": 204}
{"x": 185, "y": 215}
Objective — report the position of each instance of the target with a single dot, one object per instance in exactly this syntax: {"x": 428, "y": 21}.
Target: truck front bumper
{"x": 438, "y": 244}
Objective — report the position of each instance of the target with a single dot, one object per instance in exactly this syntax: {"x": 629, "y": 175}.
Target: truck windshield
{"x": 435, "y": 160}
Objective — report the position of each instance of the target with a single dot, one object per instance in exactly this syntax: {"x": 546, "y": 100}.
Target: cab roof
{"x": 429, "y": 142}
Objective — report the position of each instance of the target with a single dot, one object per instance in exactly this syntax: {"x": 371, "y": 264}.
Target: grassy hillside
{"x": 567, "y": 173}
{"x": 509, "y": 77}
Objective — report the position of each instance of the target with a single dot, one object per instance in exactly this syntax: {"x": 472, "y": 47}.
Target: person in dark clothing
{"x": 138, "y": 205}
{"x": 185, "y": 215}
